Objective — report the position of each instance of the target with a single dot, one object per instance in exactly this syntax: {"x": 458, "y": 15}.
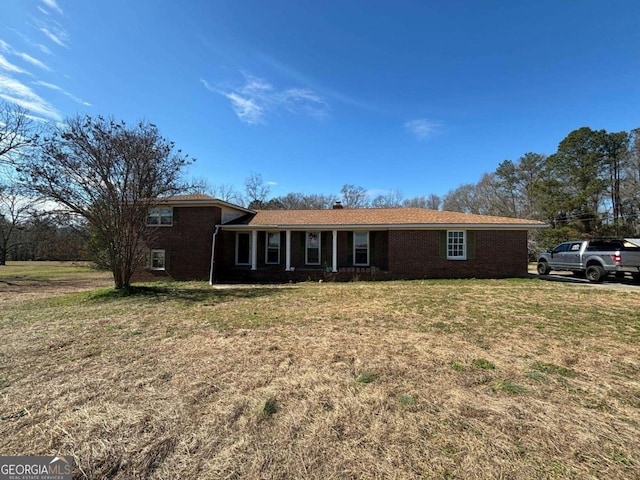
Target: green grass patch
{"x": 366, "y": 377}
{"x": 483, "y": 363}
{"x": 268, "y": 407}
{"x": 537, "y": 376}
{"x": 509, "y": 387}
{"x": 553, "y": 369}
{"x": 458, "y": 366}
{"x": 406, "y": 400}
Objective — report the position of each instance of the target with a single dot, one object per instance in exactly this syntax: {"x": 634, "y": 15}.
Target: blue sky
{"x": 420, "y": 96}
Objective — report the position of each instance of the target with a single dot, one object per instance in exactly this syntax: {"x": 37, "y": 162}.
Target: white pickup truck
{"x": 594, "y": 259}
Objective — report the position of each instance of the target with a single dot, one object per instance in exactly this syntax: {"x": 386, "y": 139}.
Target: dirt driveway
{"x": 567, "y": 277}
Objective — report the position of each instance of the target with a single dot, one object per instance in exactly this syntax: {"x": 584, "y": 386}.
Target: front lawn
{"x": 423, "y": 379}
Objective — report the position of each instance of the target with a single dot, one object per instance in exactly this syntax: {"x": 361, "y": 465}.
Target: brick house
{"x": 201, "y": 237}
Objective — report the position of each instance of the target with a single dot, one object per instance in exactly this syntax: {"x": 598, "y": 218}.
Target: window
{"x": 563, "y": 247}
{"x": 243, "y": 248}
{"x": 273, "y": 248}
{"x": 312, "y": 256}
{"x": 160, "y": 216}
{"x": 361, "y": 248}
{"x": 456, "y": 245}
{"x": 158, "y": 259}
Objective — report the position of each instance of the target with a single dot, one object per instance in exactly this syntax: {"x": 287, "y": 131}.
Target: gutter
{"x": 395, "y": 226}
{"x": 213, "y": 254}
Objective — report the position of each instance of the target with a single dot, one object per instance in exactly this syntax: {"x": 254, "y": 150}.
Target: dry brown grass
{"x": 186, "y": 381}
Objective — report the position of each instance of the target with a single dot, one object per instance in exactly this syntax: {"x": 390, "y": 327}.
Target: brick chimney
{"x": 338, "y": 206}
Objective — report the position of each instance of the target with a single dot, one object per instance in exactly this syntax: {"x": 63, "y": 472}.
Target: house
{"x": 201, "y": 237}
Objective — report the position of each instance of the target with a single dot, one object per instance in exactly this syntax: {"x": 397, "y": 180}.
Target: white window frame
{"x": 238, "y": 247}
{"x": 158, "y": 213}
{"x": 354, "y": 250}
{"x": 453, "y": 246}
{"x": 162, "y": 254}
{"x": 306, "y": 247}
{"x": 267, "y": 247}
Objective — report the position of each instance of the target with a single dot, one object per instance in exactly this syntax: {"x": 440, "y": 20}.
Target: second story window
{"x": 160, "y": 216}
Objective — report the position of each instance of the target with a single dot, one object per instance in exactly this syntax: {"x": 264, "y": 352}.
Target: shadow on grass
{"x": 184, "y": 293}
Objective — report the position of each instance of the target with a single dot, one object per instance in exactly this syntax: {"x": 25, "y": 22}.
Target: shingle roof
{"x": 188, "y": 198}
{"x": 381, "y": 217}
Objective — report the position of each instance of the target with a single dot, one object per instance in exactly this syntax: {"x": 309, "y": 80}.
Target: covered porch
{"x": 294, "y": 254}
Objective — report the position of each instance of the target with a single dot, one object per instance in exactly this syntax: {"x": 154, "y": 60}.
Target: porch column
{"x": 287, "y": 254}
{"x": 334, "y": 252}
{"x": 254, "y": 250}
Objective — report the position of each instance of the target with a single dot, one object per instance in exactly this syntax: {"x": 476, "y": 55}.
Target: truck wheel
{"x": 595, "y": 273}
{"x": 543, "y": 268}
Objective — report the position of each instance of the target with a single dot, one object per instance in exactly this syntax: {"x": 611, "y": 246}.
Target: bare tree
{"x": 616, "y": 148}
{"x": 631, "y": 183}
{"x": 257, "y": 191}
{"x": 17, "y": 132}
{"x": 111, "y": 175}
{"x": 228, "y": 193}
{"x": 461, "y": 199}
{"x": 301, "y": 201}
{"x": 432, "y": 202}
{"x": 354, "y": 196}
{"x": 390, "y": 199}
{"x": 223, "y": 191}
{"x": 15, "y": 210}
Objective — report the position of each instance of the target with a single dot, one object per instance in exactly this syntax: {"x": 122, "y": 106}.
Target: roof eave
{"x": 405, "y": 226}
{"x": 204, "y": 203}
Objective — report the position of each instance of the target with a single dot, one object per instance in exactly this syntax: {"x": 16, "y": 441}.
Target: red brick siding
{"x": 394, "y": 254}
{"x": 187, "y": 243}
{"x": 416, "y": 254}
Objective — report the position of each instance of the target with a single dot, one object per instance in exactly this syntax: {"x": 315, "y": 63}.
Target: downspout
{"x": 213, "y": 254}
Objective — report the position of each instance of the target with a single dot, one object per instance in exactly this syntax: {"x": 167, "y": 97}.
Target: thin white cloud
{"x": 58, "y": 37}
{"x": 33, "y": 61}
{"x": 57, "y": 88}
{"x": 271, "y": 183}
{"x": 421, "y": 128}
{"x": 16, "y": 92}
{"x": 298, "y": 77}
{"x": 7, "y": 66}
{"x": 43, "y": 48}
{"x": 5, "y": 47}
{"x": 53, "y": 5}
{"x": 42, "y": 10}
{"x": 246, "y": 109}
{"x": 254, "y": 99}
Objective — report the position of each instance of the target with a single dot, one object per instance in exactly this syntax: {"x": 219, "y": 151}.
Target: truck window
{"x": 563, "y": 247}
{"x": 604, "y": 245}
